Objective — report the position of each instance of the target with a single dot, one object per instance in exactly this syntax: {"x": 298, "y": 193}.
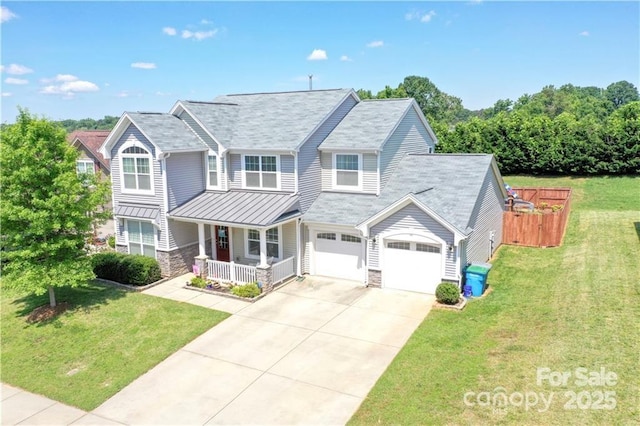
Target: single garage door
{"x": 412, "y": 266}
{"x": 339, "y": 255}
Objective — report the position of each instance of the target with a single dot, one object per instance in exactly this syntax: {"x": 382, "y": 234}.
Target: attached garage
{"x": 339, "y": 255}
{"x": 412, "y": 265}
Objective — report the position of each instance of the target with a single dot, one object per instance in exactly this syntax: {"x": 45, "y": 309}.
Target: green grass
{"x": 561, "y": 308}
{"x": 107, "y": 339}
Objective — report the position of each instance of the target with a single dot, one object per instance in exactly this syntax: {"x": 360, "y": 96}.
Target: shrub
{"x": 246, "y": 290}
{"x": 111, "y": 241}
{"x": 447, "y": 293}
{"x": 126, "y": 268}
{"x": 198, "y": 282}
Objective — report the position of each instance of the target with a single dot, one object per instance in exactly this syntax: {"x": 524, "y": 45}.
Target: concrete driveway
{"x": 307, "y": 354}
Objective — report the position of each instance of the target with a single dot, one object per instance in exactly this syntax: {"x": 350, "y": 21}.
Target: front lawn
{"x": 559, "y": 309}
{"x": 107, "y": 339}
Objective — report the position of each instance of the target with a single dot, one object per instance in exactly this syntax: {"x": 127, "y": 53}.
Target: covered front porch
{"x": 244, "y": 237}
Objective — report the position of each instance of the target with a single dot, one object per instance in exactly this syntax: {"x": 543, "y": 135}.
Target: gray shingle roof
{"x": 368, "y": 125}
{"x": 239, "y": 207}
{"x": 167, "y": 132}
{"x": 448, "y": 184}
{"x": 266, "y": 120}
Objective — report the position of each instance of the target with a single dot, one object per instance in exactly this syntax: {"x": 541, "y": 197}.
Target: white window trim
{"x": 260, "y": 188}
{"x": 257, "y": 257}
{"x": 121, "y": 165}
{"x": 86, "y": 162}
{"x": 218, "y": 166}
{"x": 155, "y": 234}
{"x": 334, "y": 173}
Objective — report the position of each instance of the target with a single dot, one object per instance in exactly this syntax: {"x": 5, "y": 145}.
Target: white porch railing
{"x": 283, "y": 270}
{"x": 230, "y": 272}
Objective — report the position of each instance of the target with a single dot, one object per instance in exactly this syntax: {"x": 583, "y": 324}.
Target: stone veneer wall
{"x": 374, "y": 278}
{"x": 178, "y": 261}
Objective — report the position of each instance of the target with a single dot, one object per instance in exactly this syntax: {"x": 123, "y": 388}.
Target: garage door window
{"x": 429, "y": 248}
{"x": 400, "y": 245}
{"x": 350, "y": 238}
{"x": 326, "y": 236}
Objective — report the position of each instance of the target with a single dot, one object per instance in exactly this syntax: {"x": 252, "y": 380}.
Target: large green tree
{"x": 47, "y": 208}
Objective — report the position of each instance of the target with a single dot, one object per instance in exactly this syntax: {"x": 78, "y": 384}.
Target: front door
{"x": 222, "y": 243}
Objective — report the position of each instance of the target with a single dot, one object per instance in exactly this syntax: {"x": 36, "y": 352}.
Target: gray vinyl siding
{"x": 235, "y": 171}
{"x": 373, "y": 255}
{"x": 157, "y": 200}
{"x": 202, "y": 134}
{"x": 289, "y": 248}
{"x": 326, "y": 160}
{"x": 306, "y": 244}
{"x": 185, "y": 177}
{"x": 287, "y": 173}
{"x": 486, "y": 217}
{"x": 183, "y": 233}
{"x": 370, "y": 173}
{"x": 412, "y": 217}
{"x": 410, "y": 136}
{"x": 310, "y": 170}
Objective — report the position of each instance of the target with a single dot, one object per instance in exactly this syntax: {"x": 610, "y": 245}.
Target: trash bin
{"x": 476, "y": 276}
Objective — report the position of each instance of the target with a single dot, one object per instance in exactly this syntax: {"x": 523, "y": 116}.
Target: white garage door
{"x": 339, "y": 255}
{"x": 412, "y": 266}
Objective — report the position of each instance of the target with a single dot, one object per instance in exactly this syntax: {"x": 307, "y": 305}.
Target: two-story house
{"x": 268, "y": 185}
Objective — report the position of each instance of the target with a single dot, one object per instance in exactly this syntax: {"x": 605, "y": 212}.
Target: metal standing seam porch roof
{"x": 137, "y": 211}
{"x": 250, "y": 208}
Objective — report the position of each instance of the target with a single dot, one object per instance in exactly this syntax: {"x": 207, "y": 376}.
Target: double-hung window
{"x": 347, "y": 171}
{"x": 261, "y": 171}
{"x": 136, "y": 170}
{"x": 85, "y": 167}
{"x": 273, "y": 243}
{"x": 212, "y": 171}
{"x": 141, "y": 237}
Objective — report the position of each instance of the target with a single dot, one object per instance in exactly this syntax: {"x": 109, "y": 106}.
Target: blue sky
{"x": 90, "y": 59}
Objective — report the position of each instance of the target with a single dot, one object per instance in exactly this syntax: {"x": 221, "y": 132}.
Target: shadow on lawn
{"x": 87, "y": 298}
{"x": 637, "y": 226}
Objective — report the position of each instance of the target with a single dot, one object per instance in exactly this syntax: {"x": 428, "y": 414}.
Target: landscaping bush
{"x": 246, "y": 290}
{"x": 198, "y": 282}
{"x": 126, "y": 268}
{"x": 111, "y": 241}
{"x": 447, "y": 293}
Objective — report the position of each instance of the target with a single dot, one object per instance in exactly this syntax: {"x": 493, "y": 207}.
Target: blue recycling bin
{"x": 476, "y": 276}
{"x": 466, "y": 291}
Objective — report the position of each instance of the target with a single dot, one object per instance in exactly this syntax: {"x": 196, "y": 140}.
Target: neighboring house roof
{"x": 368, "y": 125}
{"x": 447, "y": 184}
{"x": 250, "y": 208}
{"x": 268, "y": 121}
{"x": 91, "y": 140}
{"x": 165, "y": 131}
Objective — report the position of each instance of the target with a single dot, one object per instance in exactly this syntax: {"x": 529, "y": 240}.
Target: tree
{"x": 621, "y": 93}
{"x": 47, "y": 208}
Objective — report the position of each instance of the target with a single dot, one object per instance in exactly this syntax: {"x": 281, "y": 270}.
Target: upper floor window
{"x": 136, "y": 170}
{"x": 347, "y": 171}
{"x": 261, "y": 171}
{"x": 85, "y": 166}
{"x": 212, "y": 170}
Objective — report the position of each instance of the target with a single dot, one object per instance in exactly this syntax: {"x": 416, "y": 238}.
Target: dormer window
{"x": 85, "y": 166}
{"x": 261, "y": 171}
{"x": 347, "y": 173}
{"x": 136, "y": 170}
{"x": 212, "y": 171}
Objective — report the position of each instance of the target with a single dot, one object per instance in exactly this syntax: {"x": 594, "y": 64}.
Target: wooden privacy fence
{"x": 545, "y": 225}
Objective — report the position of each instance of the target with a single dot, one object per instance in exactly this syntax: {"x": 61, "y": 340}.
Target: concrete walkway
{"x": 306, "y": 354}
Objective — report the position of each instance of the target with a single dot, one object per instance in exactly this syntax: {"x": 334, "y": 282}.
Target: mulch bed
{"x": 46, "y": 312}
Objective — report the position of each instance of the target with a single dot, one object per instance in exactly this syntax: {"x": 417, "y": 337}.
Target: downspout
{"x": 165, "y": 195}
{"x": 295, "y": 171}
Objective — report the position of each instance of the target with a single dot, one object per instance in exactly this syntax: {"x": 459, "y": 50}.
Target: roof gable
{"x": 91, "y": 140}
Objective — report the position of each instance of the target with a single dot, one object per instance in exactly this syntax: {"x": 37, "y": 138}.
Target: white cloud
{"x": 169, "y": 31}
{"x": 198, "y": 35}
{"x": 427, "y": 16}
{"x": 6, "y": 94}
{"x": 16, "y": 69}
{"x": 584, "y": 34}
{"x": 70, "y": 85}
{"x": 12, "y": 80}
{"x": 205, "y": 22}
{"x": 317, "y": 55}
{"x": 6, "y": 14}
{"x": 377, "y": 43}
{"x": 420, "y": 16}
{"x": 163, "y": 93}
{"x": 475, "y": 2}
{"x": 144, "y": 65}
{"x": 123, "y": 94}
{"x": 345, "y": 58}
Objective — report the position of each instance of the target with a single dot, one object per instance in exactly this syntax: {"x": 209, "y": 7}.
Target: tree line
{"x": 565, "y": 130}
{"x": 106, "y": 123}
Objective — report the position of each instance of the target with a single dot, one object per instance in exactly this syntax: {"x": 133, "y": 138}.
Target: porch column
{"x": 213, "y": 242}
{"x": 201, "y": 240}
{"x": 263, "y": 247}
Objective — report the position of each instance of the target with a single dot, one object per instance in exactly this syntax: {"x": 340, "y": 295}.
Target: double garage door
{"x": 412, "y": 266}
{"x": 339, "y": 255}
